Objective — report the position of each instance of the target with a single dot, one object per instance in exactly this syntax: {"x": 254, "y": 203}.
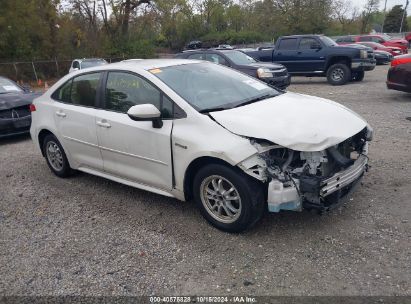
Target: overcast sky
{"x": 390, "y": 4}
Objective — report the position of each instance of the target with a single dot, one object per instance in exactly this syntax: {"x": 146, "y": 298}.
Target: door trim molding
{"x": 80, "y": 141}
{"x": 134, "y": 155}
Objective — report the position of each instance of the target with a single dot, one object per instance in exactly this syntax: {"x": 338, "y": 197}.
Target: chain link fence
{"x": 39, "y": 71}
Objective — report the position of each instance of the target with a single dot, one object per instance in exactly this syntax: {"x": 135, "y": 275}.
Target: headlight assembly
{"x": 264, "y": 73}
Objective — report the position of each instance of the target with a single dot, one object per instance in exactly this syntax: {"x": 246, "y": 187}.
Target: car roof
{"x": 216, "y": 50}
{"x": 304, "y": 35}
{"x": 146, "y": 64}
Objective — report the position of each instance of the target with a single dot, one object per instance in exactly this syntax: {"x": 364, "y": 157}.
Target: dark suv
{"x": 271, "y": 73}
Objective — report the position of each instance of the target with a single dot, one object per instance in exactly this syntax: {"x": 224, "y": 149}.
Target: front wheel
{"x": 358, "y": 76}
{"x": 228, "y": 198}
{"x": 338, "y": 74}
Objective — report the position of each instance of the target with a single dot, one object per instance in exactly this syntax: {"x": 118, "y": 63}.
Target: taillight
{"x": 400, "y": 60}
{"x": 32, "y": 108}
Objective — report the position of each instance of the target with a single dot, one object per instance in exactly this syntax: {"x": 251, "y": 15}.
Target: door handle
{"x": 299, "y": 52}
{"x": 61, "y": 114}
{"x": 103, "y": 124}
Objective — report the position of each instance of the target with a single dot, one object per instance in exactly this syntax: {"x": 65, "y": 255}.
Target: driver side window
{"x": 124, "y": 90}
{"x": 216, "y": 59}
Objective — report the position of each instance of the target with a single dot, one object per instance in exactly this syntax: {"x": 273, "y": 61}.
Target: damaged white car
{"x": 193, "y": 129}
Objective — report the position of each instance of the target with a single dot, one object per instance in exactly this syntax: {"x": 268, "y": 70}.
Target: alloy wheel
{"x": 54, "y": 156}
{"x": 221, "y": 199}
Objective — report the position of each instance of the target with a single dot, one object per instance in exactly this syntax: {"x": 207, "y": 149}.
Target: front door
{"x": 311, "y": 55}
{"x": 135, "y": 150}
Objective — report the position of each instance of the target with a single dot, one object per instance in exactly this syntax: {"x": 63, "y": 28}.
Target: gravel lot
{"x": 89, "y": 236}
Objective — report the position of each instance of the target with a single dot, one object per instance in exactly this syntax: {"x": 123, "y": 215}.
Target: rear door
{"x": 311, "y": 55}
{"x": 135, "y": 150}
{"x": 74, "y": 114}
{"x": 286, "y": 54}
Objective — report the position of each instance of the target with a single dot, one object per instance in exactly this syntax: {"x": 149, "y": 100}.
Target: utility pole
{"x": 383, "y": 22}
{"x": 403, "y": 15}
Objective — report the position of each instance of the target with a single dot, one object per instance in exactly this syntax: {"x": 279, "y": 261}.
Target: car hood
{"x": 398, "y": 40}
{"x": 271, "y": 66}
{"x": 380, "y": 52}
{"x": 296, "y": 121}
{"x": 13, "y": 100}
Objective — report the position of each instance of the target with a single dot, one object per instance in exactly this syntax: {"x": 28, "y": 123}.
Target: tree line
{"x": 44, "y": 29}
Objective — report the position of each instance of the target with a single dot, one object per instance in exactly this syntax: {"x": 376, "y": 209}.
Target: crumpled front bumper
{"x": 336, "y": 187}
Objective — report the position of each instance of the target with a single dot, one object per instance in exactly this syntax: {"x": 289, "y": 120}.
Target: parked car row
{"x": 383, "y": 39}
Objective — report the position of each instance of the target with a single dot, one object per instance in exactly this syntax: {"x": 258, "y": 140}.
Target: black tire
{"x": 338, "y": 74}
{"x": 51, "y": 141}
{"x": 250, "y": 191}
{"x": 358, "y": 76}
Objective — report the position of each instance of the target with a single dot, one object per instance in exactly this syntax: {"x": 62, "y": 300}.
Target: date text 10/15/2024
{"x": 203, "y": 299}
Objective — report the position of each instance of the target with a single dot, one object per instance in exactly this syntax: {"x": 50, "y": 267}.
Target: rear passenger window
{"x": 63, "y": 93}
{"x": 81, "y": 90}
{"x": 288, "y": 44}
{"x": 84, "y": 89}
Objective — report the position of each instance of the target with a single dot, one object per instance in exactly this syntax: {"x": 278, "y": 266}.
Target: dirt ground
{"x": 89, "y": 236}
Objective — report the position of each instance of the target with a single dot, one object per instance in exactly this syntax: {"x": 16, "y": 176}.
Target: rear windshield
{"x": 327, "y": 41}
{"x": 239, "y": 57}
{"x": 92, "y": 63}
{"x": 8, "y": 86}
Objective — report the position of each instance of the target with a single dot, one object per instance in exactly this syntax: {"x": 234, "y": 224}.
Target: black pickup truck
{"x": 317, "y": 55}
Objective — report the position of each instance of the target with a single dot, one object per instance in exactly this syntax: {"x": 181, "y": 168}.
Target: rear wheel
{"x": 55, "y": 156}
{"x": 358, "y": 76}
{"x": 338, "y": 74}
{"x": 229, "y": 199}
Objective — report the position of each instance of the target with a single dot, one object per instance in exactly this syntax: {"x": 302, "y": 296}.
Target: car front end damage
{"x": 298, "y": 180}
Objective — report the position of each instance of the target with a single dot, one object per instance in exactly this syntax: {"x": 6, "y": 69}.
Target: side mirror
{"x": 315, "y": 46}
{"x": 146, "y": 112}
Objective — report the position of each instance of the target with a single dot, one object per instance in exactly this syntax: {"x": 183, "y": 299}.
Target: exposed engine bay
{"x": 309, "y": 180}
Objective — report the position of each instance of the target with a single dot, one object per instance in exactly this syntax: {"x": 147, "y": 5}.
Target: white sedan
{"x": 196, "y": 130}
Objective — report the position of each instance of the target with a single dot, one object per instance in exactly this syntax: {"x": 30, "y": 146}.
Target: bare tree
{"x": 370, "y": 8}
{"x": 344, "y": 12}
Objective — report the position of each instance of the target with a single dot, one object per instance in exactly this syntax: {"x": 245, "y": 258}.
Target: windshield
{"x": 211, "y": 87}
{"x": 92, "y": 63}
{"x": 327, "y": 41}
{"x": 239, "y": 57}
{"x": 8, "y": 86}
